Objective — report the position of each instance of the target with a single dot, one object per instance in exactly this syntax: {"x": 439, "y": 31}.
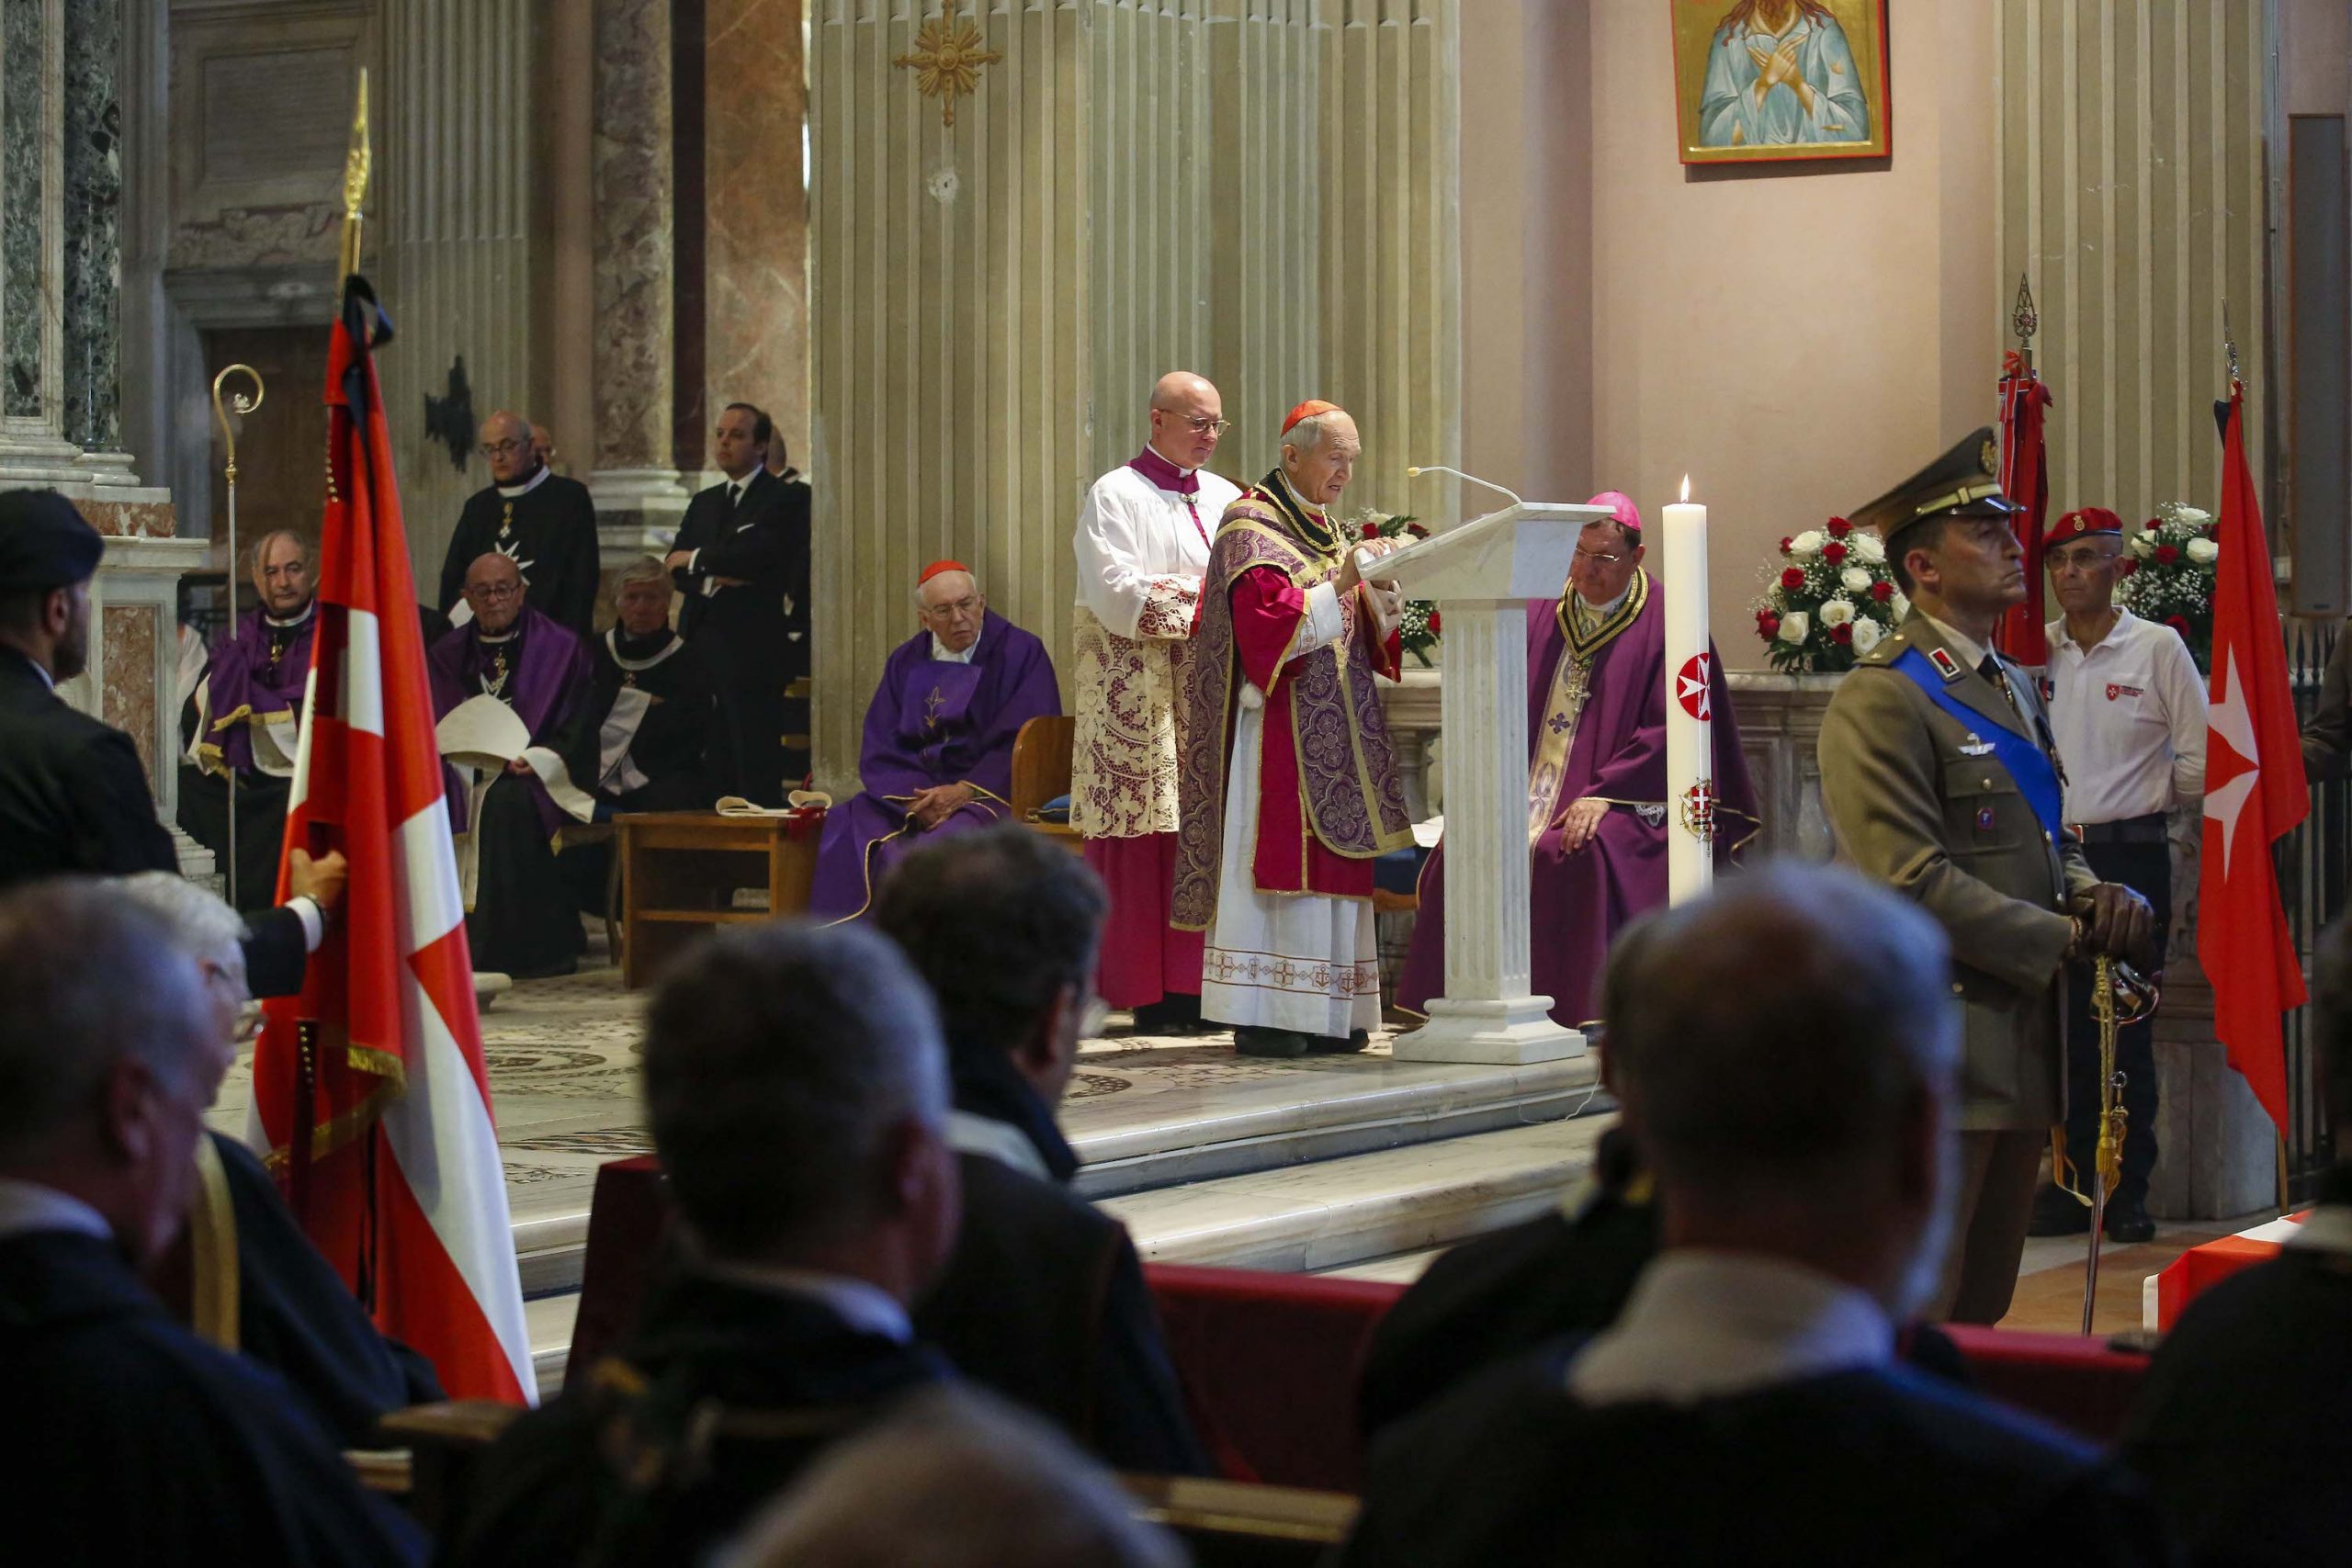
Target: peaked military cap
{"x": 44, "y": 542}
{"x": 1957, "y": 484}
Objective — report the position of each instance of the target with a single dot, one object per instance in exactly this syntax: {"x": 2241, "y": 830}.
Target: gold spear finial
{"x": 355, "y": 180}
{"x": 2025, "y": 321}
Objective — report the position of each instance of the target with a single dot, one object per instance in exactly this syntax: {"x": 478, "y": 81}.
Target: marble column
{"x": 635, "y": 482}
{"x": 754, "y": 290}
{"x": 92, "y": 247}
{"x": 60, "y": 336}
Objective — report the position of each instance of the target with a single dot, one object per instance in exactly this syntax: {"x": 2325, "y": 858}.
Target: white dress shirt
{"x": 865, "y": 1306}
{"x": 2128, "y": 717}
{"x": 1703, "y": 1324}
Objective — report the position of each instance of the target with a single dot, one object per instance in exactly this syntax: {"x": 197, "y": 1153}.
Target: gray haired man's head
{"x": 797, "y": 1085}
{"x": 206, "y": 929}
{"x": 110, "y": 1056}
{"x": 956, "y": 1478}
{"x": 1786, "y": 1050}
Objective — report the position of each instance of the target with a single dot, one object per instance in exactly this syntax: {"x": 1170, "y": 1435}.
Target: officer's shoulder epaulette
{"x": 1885, "y": 651}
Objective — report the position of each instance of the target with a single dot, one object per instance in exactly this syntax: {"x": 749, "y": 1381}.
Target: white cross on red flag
{"x": 2254, "y": 794}
{"x": 401, "y": 1185}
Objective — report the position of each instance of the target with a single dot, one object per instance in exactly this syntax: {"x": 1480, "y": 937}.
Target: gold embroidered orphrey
{"x": 947, "y": 61}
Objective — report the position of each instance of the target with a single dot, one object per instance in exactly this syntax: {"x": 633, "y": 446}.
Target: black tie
{"x": 734, "y": 494}
{"x": 1991, "y": 670}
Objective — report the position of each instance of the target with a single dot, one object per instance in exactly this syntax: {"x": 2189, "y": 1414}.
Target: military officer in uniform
{"x": 1942, "y": 781}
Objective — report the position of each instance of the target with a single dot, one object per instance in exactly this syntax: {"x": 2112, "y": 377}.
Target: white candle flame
{"x": 1686, "y": 487}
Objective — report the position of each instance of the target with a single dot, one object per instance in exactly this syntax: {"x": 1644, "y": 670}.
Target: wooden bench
{"x": 1041, "y": 772}
{"x": 680, "y": 871}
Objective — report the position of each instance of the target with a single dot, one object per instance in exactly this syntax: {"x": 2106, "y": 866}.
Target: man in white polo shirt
{"x": 2128, "y": 709}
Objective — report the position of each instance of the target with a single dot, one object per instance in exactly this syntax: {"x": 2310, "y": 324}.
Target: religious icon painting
{"x": 1766, "y": 81}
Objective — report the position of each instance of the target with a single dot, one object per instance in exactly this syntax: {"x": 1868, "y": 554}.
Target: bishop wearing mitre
{"x": 1142, "y": 544}
{"x": 1289, "y": 789}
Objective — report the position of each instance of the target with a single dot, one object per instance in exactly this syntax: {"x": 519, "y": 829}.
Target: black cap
{"x": 1961, "y": 483}
{"x": 44, "y": 542}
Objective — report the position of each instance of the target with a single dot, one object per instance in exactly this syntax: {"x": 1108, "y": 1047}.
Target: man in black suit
{"x": 542, "y": 521}
{"x": 129, "y": 1439}
{"x": 797, "y": 1091}
{"x": 2243, "y": 1425}
{"x": 1044, "y": 1300}
{"x": 733, "y": 560}
{"x": 1786, "y": 1061}
{"x": 72, "y": 796}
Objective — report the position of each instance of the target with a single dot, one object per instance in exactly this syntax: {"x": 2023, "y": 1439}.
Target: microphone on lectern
{"x": 1457, "y": 473}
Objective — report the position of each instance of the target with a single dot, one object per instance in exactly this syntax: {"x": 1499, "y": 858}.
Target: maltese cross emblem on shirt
{"x": 513, "y": 550}
{"x": 1690, "y": 686}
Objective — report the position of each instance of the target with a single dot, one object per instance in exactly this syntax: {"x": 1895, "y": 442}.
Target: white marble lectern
{"x": 1482, "y": 574}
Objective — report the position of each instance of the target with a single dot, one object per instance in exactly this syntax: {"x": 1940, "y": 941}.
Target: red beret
{"x": 2085, "y": 519}
{"x": 1308, "y": 410}
{"x": 937, "y": 567}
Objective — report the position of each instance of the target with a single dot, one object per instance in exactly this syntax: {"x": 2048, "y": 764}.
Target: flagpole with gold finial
{"x": 355, "y": 180}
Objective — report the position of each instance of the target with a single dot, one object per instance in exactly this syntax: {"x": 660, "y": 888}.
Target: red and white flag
{"x": 2254, "y": 792}
{"x": 401, "y": 1185}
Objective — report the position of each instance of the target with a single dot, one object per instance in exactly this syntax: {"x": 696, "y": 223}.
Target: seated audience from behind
{"x": 295, "y": 1315}
{"x": 129, "y": 1439}
{"x": 1786, "y": 1054}
{"x": 2243, "y": 1424}
{"x": 956, "y": 1479}
{"x": 1044, "y": 1300}
{"x": 797, "y": 1093}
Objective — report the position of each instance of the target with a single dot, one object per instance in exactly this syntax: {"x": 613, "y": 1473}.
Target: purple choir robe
{"x": 551, "y": 682}
{"x": 1582, "y": 900}
{"x": 933, "y": 721}
{"x": 244, "y": 678}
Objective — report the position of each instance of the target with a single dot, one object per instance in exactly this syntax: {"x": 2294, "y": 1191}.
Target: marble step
{"x": 1146, "y": 1116}
{"x": 1150, "y": 1114}
{"x": 1378, "y": 1215}
{"x": 1330, "y": 1213}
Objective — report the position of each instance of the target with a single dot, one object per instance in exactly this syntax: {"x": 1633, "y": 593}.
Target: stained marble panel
{"x": 93, "y": 205}
{"x": 755, "y": 227}
{"x": 127, "y": 683}
{"x": 131, "y": 519}
{"x": 635, "y": 211}
{"x": 23, "y": 148}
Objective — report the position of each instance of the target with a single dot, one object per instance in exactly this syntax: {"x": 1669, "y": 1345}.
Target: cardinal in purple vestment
{"x": 937, "y": 757}
{"x": 1597, "y": 807}
{"x": 521, "y": 921}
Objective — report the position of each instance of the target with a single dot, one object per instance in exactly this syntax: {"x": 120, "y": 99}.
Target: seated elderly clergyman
{"x": 1788, "y": 1065}
{"x": 247, "y": 708}
{"x": 650, "y": 711}
{"x": 294, "y": 1316}
{"x": 129, "y": 1439}
{"x": 937, "y": 756}
{"x": 797, "y": 1091}
{"x": 519, "y": 919}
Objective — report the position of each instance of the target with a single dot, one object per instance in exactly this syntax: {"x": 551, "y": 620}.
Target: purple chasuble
{"x": 933, "y": 721}
{"x": 262, "y": 669}
{"x": 1581, "y": 900}
{"x": 550, "y": 670}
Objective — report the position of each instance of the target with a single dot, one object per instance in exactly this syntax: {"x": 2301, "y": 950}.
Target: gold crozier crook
{"x": 240, "y": 405}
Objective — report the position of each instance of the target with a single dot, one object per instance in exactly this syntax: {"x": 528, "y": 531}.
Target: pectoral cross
{"x": 931, "y": 707}
{"x": 494, "y": 683}
{"x": 506, "y": 522}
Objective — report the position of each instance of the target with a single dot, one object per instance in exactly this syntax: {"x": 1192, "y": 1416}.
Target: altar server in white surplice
{"x": 1142, "y": 544}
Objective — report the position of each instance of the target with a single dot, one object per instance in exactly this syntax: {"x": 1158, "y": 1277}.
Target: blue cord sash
{"x": 2027, "y": 763}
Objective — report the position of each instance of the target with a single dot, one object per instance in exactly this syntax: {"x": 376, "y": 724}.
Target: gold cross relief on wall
{"x": 947, "y": 59}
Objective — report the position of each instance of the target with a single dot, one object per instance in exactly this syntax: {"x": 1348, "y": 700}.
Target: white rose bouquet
{"x": 2170, "y": 576}
{"x": 1831, "y": 600}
